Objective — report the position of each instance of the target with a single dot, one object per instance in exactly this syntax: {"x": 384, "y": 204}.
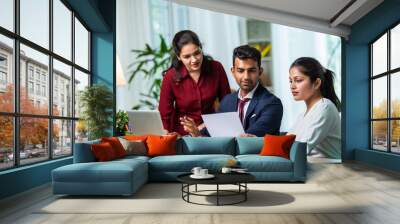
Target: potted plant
{"x": 151, "y": 63}
{"x": 96, "y": 102}
{"x": 121, "y": 122}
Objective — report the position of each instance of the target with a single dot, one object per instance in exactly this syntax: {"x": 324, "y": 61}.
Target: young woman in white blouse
{"x": 319, "y": 125}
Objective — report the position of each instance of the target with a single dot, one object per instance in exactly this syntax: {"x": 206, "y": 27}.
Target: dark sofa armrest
{"x": 298, "y": 155}
{"x": 83, "y": 152}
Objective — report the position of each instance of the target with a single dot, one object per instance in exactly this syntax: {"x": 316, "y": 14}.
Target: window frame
{"x": 16, "y": 114}
{"x": 388, "y": 74}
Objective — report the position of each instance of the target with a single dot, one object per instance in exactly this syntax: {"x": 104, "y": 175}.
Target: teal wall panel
{"x": 377, "y": 158}
{"x": 90, "y": 12}
{"x": 356, "y": 100}
{"x": 103, "y": 52}
{"x": 102, "y": 59}
{"x": 24, "y": 178}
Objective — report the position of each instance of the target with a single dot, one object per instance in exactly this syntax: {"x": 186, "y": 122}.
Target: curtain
{"x": 133, "y": 31}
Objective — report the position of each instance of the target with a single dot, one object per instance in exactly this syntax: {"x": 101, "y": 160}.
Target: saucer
{"x": 208, "y": 176}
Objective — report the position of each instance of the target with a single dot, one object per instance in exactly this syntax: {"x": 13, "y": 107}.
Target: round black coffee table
{"x": 238, "y": 179}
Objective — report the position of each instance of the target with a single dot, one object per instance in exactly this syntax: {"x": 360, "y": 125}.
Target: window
{"x": 81, "y": 81}
{"x": 6, "y": 75}
{"x": 54, "y": 126}
{"x": 62, "y": 29}
{"x": 3, "y": 78}
{"x": 7, "y": 141}
{"x": 34, "y": 21}
{"x": 81, "y": 45}
{"x": 43, "y": 90}
{"x": 37, "y": 74}
{"x": 30, "y": 87}
{"x": 30, "y": 72}
{"x": 7, "y": 14}
{"x": 62, "y": 74}
{"x": 37, "y": 89}
{"x": 3, "y": 72}
{"x": 62, "y": 130}
{"x": 385, "y": 96}
{"x": 3, "y": 61}
{"x": 33, "y": 148}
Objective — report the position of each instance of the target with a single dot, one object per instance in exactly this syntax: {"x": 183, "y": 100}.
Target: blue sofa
{"x": 125, "y": 176}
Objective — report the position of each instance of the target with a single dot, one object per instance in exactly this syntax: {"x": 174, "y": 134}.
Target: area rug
{"x": 167, "y": 198}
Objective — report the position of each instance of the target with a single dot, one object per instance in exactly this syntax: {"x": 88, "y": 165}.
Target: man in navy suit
{"x": 259, "y": 110}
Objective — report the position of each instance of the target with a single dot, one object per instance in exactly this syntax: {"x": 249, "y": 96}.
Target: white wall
{"x": 288, "y": 44}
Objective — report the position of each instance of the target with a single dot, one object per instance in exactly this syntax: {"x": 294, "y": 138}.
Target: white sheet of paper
{"x": 223, "y": 124}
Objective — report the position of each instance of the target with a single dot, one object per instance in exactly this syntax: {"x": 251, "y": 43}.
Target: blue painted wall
{"x": 102, "y": 58}
{"x": 103, "y": 63}
{"x": 24, "y": 178}
{"x": 104, "y": 51}
{"x": 356, "y": 100}
{"x": 99, "y": 16}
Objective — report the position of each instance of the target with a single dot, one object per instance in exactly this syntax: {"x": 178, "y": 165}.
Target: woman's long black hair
{"x": 313, "y": 69}
{"x": 181, "y": 39}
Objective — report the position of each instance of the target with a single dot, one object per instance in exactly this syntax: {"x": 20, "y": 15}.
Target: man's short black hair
{"x": 247, "y": 52}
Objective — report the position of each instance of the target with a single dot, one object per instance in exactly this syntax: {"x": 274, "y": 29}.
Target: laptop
{"x": 143, "y": 122}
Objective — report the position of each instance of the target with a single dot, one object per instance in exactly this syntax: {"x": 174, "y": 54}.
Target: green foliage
{"x": 150, "y": 63}
{"x": 121, "y": 122}
{"x": 97, "y": 102}
{"x": 380, "y": 127}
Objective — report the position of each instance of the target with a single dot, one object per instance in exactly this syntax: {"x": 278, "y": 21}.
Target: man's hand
{"x": 247, "y": 135}
{"x": 190, "y": 126}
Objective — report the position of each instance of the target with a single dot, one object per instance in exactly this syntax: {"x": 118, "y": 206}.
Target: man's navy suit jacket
{"x": 263, "y": 115}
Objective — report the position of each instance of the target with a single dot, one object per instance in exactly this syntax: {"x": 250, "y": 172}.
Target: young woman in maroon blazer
{"x": 191, "y": 85}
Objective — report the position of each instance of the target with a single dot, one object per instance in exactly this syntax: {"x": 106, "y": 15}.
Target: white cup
{"x": 196, "y": 170}
{"x": 226, "y": 170}
{"x": 203, "y": 172}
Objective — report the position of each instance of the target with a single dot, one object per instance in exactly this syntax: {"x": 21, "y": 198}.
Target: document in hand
{"x": 223, "y": 124}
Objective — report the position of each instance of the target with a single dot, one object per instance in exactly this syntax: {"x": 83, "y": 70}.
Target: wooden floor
{"x": 377, "y": 188}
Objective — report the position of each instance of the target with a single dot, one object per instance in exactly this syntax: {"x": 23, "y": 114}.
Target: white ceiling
{"x": 315, "y": 15}
{"x": 320, "y": 9}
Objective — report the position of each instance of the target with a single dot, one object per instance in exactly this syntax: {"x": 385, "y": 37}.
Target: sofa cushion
{"x": 111, "y": 171}
{"x": 131, "y": 158}
{"x": 185, "y": 163}
{"x": 206, "y": 145}
{"x": 249, "y": 145}
{"x": 257, "y": 163}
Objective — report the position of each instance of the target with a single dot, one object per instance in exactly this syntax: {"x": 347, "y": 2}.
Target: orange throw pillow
{"x": 161, "y": 145}
{"x": 103, "y": 152}
{"x": 116, "y": 145}
{"x": 277, "y": 145}
{"x": 136, "y": 137}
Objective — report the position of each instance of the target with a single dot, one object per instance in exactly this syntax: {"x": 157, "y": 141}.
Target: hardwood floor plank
{"x": 376, "y": 191}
